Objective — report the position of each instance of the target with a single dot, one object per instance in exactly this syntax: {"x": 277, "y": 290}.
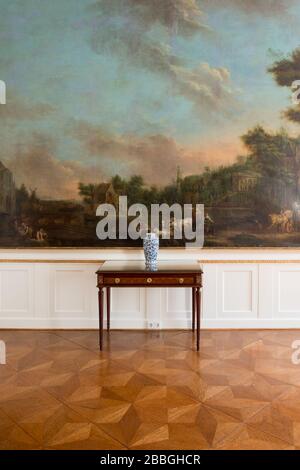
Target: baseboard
{"x": 182, "y": 324}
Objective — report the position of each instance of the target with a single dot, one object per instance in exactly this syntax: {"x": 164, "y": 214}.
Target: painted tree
{"x": 89, "y": 194}
{"x": 285, "y": 72}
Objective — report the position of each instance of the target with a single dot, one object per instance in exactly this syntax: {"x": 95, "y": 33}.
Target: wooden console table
{"x": 135, "y": 274}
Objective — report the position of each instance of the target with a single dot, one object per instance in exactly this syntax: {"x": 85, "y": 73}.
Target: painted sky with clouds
{"x": 136, "y": 86}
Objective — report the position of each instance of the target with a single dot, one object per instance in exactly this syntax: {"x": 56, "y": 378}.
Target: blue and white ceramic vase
{"x": 151, "y": 247}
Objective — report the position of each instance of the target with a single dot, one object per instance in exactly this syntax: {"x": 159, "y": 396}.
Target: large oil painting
{"x": 187, "y": 101}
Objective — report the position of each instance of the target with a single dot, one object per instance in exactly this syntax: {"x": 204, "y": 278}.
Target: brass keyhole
{"x": 181, "y": 280}
{"x": 149, "y": 280}
{"x": 117, "y": 280}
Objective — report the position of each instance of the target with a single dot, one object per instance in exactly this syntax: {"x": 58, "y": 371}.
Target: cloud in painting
{"x": 36, "y": 162}
{"x": 36, "y": 165}
{"x": 140, "y": 155}
{"x": 181, "y": 16}
{"x": 19, "y": 109}
{"x": 266, "y": 8}
{"x": 144, "y": 155}
{"x": 207, "y": 88}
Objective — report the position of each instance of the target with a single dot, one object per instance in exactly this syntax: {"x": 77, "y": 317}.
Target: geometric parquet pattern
{"x": 149, "y": 390}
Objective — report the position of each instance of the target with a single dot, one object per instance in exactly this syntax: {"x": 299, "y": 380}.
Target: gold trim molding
{"x": 53, "y": 261}
{"x": 248, "y": 261}
{"x": 202, "y": 261}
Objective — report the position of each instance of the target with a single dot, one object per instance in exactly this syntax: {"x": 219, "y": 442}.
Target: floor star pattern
{"x": 150, "y": 390}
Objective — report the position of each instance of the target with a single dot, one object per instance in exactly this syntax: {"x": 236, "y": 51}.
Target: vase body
{"x": 151, "y": 247}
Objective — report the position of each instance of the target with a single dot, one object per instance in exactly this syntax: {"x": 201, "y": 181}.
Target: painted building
{"x": 7, "y": 191}
{"x": 244, "y": 181}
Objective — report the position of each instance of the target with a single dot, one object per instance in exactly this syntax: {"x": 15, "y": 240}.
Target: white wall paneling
{"x": 16, "y": 291}
{"x": 237, "y": 291}
{"x": 253, "y": 294}
{"x": 176, "y": 308}
{"x": 128, "y": 308}
{"x": 72, "y": 295}
{"x": 286, "y": 291}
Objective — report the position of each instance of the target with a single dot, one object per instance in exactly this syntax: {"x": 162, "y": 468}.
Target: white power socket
{"x": 153, "y": 325}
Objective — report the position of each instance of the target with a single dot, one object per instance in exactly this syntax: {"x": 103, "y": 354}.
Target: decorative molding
{"x": 249, "y": 261}
{"x": 200, "y": 261}
{"x": 98, "y": 256}
{"x": 53, "y": 261}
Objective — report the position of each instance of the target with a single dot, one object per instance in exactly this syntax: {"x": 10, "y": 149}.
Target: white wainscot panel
{"x": 128, "y": 308}
{"x": 209, "y": 292}
{"x": 69, "y": 292}
{"x": 286, "y": 291}
{"x": 72, "y": 297}
{"x": 237, "y": 291}
{"x": 176, "y": 308}
{"x": 16, "y": 291}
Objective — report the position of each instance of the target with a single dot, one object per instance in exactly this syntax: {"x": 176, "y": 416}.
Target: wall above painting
{"x": 162, "y": 101}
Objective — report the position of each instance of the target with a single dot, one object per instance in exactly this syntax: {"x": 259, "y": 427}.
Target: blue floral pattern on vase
{"x": 151, "y": 247}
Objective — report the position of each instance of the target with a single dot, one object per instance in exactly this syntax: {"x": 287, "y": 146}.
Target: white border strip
{"x": 94, "y": 255}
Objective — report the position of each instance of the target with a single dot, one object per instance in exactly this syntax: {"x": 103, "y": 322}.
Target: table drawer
{"x": 151, "y": 280}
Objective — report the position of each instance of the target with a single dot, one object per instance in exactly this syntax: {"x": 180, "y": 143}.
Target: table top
{"x": 140, "y": 267}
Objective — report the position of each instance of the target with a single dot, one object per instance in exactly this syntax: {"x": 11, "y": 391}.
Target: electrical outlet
{"x": 153, "y": 325}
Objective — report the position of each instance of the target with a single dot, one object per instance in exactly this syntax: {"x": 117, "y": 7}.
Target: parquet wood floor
{"x": 149, "y": 390}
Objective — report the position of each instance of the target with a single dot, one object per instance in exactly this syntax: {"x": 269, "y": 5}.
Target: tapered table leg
{"x": 100, "y": 299}
{"x": 108, "y": 307}
{"x": 193, "y": 308}
{"x": 198, "y": 303}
